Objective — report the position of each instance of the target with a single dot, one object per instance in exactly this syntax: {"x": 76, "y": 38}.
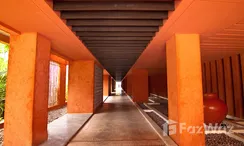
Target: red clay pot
{"x": 215, "y": 110}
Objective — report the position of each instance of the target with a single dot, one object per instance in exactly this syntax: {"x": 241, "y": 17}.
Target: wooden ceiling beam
{"x": 115, "y": 38}
{"x": 113, "y": 6}
{"x": 114, "y": 15}
{"x": 115, "y": 42}
{"x": 107, "y": 50}
{"x": 114, "y": 22}
{"x": 115, "y": 34}
{"x": 115, "y": 45}
{"x": 112, "y": 29}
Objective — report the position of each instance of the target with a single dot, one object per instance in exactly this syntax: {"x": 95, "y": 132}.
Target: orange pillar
{"x": 106, "y": 85}
{"x": 61, "y": 97}
{"x": 237, "y": 85}
{"x": 27, "y": 90}
{"x": 81, "y": 87}
{"x": 214, "y": 77}
{"x": 140, "y": 85}
{"x": 229, "y": 86}
{"x": 185, "y": 96}
{"x": 110, "y": 85}
{"x": 221, "y": 82}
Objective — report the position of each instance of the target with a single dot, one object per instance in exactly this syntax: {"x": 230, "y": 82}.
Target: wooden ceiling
{"x": 116, "y": 32}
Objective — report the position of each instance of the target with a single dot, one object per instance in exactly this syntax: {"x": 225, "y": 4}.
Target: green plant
{"x": 3, "y": 76}
{"x": 3, "y": 79}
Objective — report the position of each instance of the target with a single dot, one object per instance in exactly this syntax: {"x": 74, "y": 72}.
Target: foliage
{"x": 3, "y": 79}
{"x": 3, "y": 76}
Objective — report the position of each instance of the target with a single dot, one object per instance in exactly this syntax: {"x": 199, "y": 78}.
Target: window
{"x": 66, "y": 82}
{"x": 54, "y": 83}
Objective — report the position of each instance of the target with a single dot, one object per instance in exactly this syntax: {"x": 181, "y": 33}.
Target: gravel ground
{"x": 159, "y": 100}
{"x": 52, "y": 115}
{"x": 1, "y": 137}
{"x": 221, "y": 140}
{"x": 162, "y": 108}
{"x": 142, "y": 106}
{"x": 159, "y": 121}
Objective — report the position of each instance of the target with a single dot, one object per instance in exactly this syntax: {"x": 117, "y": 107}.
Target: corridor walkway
{"x": 117, "y": 123}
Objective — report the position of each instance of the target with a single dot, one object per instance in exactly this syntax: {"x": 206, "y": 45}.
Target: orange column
{"x": 140, "y": 85}
{"x": 109, "y": 85}
{"x": 204, "y": 78}
{"x": 221, "y": 82}
{"x": 61, "y": 97}
{"x": 208, "y": 78}
{"x": 81, "y": 87}
{"x": 237, "y": 85}
{"x": 106, "y": 85}
{"x": 228, "y": 86}
{"x": 214, "y": 77}
{"x": 27, "y": 90}
{"x": 185, "y": 96}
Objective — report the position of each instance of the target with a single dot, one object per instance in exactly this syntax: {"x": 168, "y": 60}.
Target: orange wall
{"x": 27, "y": 90}
{"x": 225, "y": 77}
{"x": 129, "y": 85}
{"x": 106, "y": 85}
{"x": 140, "y": 85}
{"x": 81, "y": 87}
{"x": 158, "y": 84}
{"x": 124, "y": 84}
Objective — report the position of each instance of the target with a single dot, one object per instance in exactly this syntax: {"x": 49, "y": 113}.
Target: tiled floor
{"x": 117, "y": 123}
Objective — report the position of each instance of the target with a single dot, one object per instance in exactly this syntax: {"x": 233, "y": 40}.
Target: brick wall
{"x": 98, "y": 87}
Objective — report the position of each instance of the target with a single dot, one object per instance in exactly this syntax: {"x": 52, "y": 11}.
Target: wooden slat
{"x": 104, "y": 50}
{"x": 113, "y": 0}
{"x": 242, "y": 71}
{"x": 115, "y": 38}
{"x": 204, "y": 78}
{"x": 116, "y": 34}
{"x": 111, "y": 29}
{"x": 214, "y": 77}
{"x": 221, "y": 82}
{"x": 237, "y": 85}
{"x": 208, "y": 77}
{"x": 115, "y": 45}
{"x": 101, "y": 22}
{"x": 114, "y": 15}
{"x": 119, "y": 52}
{"x": 116, "y": 42}
{"x": 228, "y": 86}
{"x": 129, "y": 6}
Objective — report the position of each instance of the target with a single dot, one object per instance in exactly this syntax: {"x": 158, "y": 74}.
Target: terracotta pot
{"x": 215, "y": 110}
